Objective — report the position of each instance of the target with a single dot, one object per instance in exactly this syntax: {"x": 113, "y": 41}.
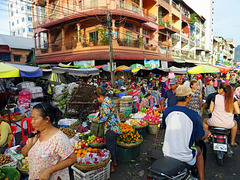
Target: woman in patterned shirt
{"x": 209, "y": 89}
{"x": 109, "y": 115}
{"x": 49, "y": 151}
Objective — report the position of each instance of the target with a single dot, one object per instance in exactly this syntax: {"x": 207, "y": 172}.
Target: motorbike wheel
{"x": 220, "y": 161}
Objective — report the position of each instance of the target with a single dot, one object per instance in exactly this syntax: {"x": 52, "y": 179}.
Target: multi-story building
{"x": 20, "y": 17}
{"x": 181, "y": 31}
{"x": 237, "y": 55}
{"x": 223, "y": 51}
{"x": 205, "y": 9}
{"x": 78, "y": 30}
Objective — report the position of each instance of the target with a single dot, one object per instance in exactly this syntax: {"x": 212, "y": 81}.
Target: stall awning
{"x": 76, "y": 72}
{"x": 179, "y": 60}
{"x": 101, "y": 56}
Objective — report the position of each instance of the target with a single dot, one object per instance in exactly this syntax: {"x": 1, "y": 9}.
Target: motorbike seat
{"x": 168, "y": 166}
{"x": 222, "y": 131}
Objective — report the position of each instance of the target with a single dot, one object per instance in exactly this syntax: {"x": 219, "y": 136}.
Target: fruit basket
{"x": 93, "y": 141}
{"x": 23, "y": 166}
{"x": 129, "y": 139}
{"x": 92, "y": 158}
{"x": 137, "y": 123}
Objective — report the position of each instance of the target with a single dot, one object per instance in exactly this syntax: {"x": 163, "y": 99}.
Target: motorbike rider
{"x": 182, "y": 127}
{"x": 223, "y": 106}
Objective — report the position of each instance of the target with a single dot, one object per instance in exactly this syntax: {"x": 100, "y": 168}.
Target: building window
{"x": 11, "y": 5}
{"x": 12, "y": 23}
{"x": 28, "y": 8}
{"x": 128, "y": 25}
{"x": 121, "y": 3}
{"x": 18, "y": 32}
{"x": 23, "y": 30}
{"x": 17, "y": 21}
{"x": 21, "y": 0}
{"x": 145, "y": 32}
{"x": 17, "y": 58}
{"x": 116, "y": 34}
{"x": 134, "y": 8}
{"x": 16, "y": 2}
{"x": 93, "y": 36}
{"x": 13, "y": 33}
{"x": 23, "y": 19}
{"x": 30, "y": 29}
{"x": 136, "y": 1}
{"x": 29, "y": 19}
{"x": 22, "y": 8}
{"x": 138, "y": 29}
{"x": 117, "y": 24}
{"x": 11, "y": 13}
{"x": 16, "y": 11}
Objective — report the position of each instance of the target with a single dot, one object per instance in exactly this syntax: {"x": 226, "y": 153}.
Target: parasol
{"x": 203, "y": 69}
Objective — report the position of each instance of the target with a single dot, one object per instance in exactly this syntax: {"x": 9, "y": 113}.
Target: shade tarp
{"x": 122, "y": 68}
{"x": 223, "y": 69}
{"x": 203, "y": 69}
{"x": 178, "y": 70}
{"x": 8, "y": 70}
{"x": 146, "y": 72}
{"x": 77, "y": 72}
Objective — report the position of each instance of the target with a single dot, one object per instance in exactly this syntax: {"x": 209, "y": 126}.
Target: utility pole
{"x": 110, "y": 47}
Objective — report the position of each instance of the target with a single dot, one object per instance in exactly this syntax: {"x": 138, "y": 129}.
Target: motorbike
{"x": 220, "y": 140}
{"x": 169, "y": 168}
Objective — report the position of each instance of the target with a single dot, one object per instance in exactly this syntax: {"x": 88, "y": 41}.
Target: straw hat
{"x": 164, "y": 79}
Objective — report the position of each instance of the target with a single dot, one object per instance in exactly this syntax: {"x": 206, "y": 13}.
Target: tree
{"x": 192, "y": 19}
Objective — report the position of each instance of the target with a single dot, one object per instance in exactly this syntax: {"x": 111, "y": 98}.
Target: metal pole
{"x": 110, "y": 47}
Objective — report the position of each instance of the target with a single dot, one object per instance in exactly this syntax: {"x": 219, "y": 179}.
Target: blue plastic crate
{"x": 59, "y": 126}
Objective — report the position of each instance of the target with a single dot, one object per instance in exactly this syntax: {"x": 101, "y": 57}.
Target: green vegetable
{"x": 10, "y": 172}
{"x": 63, "y": 101}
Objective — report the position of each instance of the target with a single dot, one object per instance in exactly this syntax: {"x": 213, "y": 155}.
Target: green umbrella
{"x": 140, "y": 66}
{"x": 203, "y": 69}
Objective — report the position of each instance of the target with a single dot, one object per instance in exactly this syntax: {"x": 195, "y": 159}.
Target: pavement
{"x": 137, "y": 169}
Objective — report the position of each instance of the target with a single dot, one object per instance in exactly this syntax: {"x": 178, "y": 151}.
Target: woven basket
{"x": 91, "y": 167}
{"x": 153, "y": 128}
{"x": 124, "y": 145}
{"x": 23, "y": 171}
{"x": 19, "y": 118}
{"x": 150, "y": 123}
{"x": 97, "y": 145}
{"x": 140, "y": 126}
{"x": 122, "y": 117}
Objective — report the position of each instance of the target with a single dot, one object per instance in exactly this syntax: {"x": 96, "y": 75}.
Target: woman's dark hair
{"x": 211, "y": 80}
{"x": 100, "y": 91}
{"x": 122, "y": 90}
{"x": 1, "y": 113}
{"x": 147, "y": 95}
{"x": 228, "y": 97}
{"x": 143, "y": 90}
{"x": 181, "y": 98}
{"x": 154, "y": 88}
{"x": 192, "y": 82}
{"x": 47, "y": 109}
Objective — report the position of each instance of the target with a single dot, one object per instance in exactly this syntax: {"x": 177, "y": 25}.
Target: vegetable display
{"x": 130, "y": 137}
{"x": 19, "y": 148}
{"x": 70, "y": 133}
{"x": 126, "y": 128}
{"x": 80, "y": 145}
{"x": 5, "y": 159}
{"x": 136, "y": 122}
{"x": 152, "y": 116}
{"x": 143, "y": 110}
{"x": 92, "y": 156}
{"x": 12, "y": 116}
{"x": 93, "y": 139}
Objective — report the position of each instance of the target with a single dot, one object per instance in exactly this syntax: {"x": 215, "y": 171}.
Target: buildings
{"x": 167, "y": 30}
{"x": 237, "y": 54}
{"x": 15, "y": 49}
{"x": 20, "y": 17}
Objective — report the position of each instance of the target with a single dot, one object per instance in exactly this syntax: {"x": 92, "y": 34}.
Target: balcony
{"x": 184, "y": 38}
{"x": 175, "y": 6}
{"x": 56, "y": 11}
{"x": 167, "y": 1}
{"x": 176, "y": 36}
{"x": 176, "y": 52}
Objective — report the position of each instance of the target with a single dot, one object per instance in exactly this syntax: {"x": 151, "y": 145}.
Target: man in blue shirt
{"x": 170, "y": 94}
{"x": 183, "y": 126}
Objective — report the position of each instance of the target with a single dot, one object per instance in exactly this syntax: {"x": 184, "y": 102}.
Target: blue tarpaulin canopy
{"x": 27, "y": 71}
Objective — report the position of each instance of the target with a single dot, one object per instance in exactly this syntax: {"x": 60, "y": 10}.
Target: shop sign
{"x": 164, "y": 64}
{"x": 152, "y": 64}
{"x": 84, "y": 64}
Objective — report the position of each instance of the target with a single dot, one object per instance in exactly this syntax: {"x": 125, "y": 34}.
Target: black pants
{"x": 111, "y": 143}
{"x": 2, "y": 149}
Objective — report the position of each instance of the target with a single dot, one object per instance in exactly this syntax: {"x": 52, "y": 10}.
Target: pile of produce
{"x": 24, "y": 163}
{"x": 19, "y": 148}
{"x": 12, "y": 116}
{"x": 152, "y": 116}
{"x": 126, "y": 128}
{"x": 5, "y": 159}
{"x": 75, "y": 125}
{"x": 9, "y": 173}
{"x": 92, "y": 156}
{"x": 94, "y": 139}
{"x": 81, "y": 129}
{"x": 136, "y": 122}
{"x": 143, "y": 110}
{"x": 129, "y": 138}
{"x": 70, "y": 133}
{"x": 80, "y": 145}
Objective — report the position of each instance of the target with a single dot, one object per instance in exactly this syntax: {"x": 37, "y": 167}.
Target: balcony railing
{"x": 167, "y": 1}
{"x": 175, "y": 5}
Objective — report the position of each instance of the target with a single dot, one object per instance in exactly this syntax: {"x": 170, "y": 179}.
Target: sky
{"x": 226, "y": 19}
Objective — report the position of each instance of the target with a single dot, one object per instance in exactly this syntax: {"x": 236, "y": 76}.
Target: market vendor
{"x": 49, "y": 152}
{"x": 5, "y": 134}
{"x": 145, "y": 103}
{"x": 109, "y": 115}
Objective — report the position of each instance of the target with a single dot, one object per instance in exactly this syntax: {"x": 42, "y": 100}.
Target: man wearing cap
{"x": 170, "y": 94}
{"x": 182, "y": 127}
